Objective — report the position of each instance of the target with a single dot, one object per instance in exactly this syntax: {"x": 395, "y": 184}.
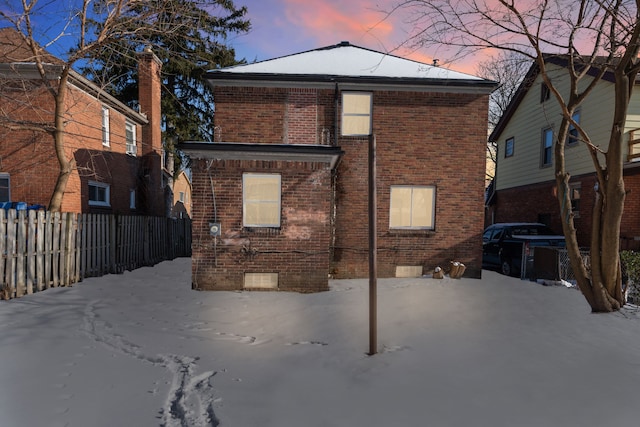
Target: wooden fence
{"x": 40, "y": 250}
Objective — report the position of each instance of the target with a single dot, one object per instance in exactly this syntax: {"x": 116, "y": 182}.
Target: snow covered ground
{"x": 143, "y": 349}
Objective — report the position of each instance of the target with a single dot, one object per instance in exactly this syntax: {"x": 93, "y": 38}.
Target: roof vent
{"x": 344, "y": 43}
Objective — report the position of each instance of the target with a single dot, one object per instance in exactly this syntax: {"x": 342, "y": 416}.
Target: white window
{"x": 132, "y": 199}
{"x": 261, "y": 200}
{"x": 356, "y": 113}
{"x": 5, "y": 188}
{"x": 105, "y": 127}
{"x": 182, "y": 196}
{"x": 130, "y": 131}
{"x": 98, "y": 194}
{"x": 412, "y": 207}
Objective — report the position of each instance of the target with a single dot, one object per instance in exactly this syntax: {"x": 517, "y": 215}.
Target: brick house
{"x": 117, "y": 150}
{"x": 280, "y": 198}
{"x": 525, "y": 187}
{"x": 181, "y": 196}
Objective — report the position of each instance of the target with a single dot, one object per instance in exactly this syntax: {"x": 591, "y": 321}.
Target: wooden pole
{"x": 373, "y": 246}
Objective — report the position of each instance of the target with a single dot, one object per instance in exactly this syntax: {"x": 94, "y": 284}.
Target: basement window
{"x": 99, "y": 194}
{"x": 356, "y": 113}
{"x": 261, "y": 194}
{"x": 260, "y": 280}
{"x": 412, "y": 207}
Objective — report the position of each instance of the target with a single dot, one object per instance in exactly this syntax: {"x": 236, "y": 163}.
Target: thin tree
{"x": 91, "y": 26}
{"x": 594, "y": 37}
{"x": 508, "y": 68}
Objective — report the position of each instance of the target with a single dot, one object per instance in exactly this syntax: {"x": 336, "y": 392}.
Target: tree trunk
{"x": 66, "y": 165}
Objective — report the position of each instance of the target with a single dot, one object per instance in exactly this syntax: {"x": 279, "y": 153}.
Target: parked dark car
{"x": 510, "y": 246}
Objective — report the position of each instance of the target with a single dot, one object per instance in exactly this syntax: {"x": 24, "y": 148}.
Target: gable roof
{"x": 13, "y": 49}
{"x": 527, "y": 83}
{"x": 347, "y": 64}
{"x": 18, "y": 62}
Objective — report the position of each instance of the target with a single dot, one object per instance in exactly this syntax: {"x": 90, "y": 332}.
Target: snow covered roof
{"x": 348, "y": 64}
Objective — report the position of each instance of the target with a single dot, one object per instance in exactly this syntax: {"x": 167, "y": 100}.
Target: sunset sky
{"x": 283, "y": 27}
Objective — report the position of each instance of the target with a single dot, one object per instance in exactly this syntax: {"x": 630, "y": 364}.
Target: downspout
{"x": 336, "y": 97}
{"x": 334, "y": 186}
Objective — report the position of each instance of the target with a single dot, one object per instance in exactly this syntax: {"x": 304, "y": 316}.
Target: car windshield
{"x": 530, "y": 230}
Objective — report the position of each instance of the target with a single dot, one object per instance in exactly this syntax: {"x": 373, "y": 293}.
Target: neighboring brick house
{"x": 117, "y": 150}
{"x": 285, "y": 183}
{"x": 181, "y": 196}
{"x": 525, "y": 187}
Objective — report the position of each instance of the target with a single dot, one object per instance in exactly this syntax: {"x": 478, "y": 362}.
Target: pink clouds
{"x": 283, "y": 27}
{"x": 323, "y": 20}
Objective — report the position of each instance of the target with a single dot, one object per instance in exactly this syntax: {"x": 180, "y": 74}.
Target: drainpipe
{"x": 336, "y": 97}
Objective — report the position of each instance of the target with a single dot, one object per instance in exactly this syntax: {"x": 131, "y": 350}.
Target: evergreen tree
{"x": 189, "y": 37}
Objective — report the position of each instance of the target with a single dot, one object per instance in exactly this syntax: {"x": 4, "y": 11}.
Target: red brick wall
{"x": 423, "y": 139}
{"x": 29, "y": 157}
{"x": 298, "y": 251}
{"x": 527, "y": 202}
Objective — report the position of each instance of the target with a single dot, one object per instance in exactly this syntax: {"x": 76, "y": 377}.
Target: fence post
{"x": 3, "y": 240}
{"x": 40, "y": 253}
{"x": 11, "y": 252}
{"x": 31, "y": 251}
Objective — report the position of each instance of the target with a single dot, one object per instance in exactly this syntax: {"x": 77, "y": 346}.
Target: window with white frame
{"x": 546, "y": 155}
{"x": 105, "y": 127}
{"x": 99, "y": 194}
{"x": 132, "y": 198}
{"x": 356, "y": 113}
{"x": 181, "y": 197}
{"x": 5, "y": 188}
{"x": 130, "y": 132}
{"x": 261, "y": 195}
{"x": 412, "y": 207}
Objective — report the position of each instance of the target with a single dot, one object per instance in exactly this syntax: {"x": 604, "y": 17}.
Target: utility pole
{"x": 373, "y": 250}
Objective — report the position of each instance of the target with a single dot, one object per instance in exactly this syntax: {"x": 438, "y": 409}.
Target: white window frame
{"x": 107, "y": 191}
{"x": 106, "y": 137}
{"x": 349, "y": 112}
{"x": 247, "y": 201}
{"x": 3, "y": 176}
{"x": 181, "y": 197}
{"x": 130, "y": 128}
{"x": 431, "y": 208}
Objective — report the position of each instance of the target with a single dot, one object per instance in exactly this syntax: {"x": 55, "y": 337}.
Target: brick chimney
{"x": 149, "y": 66}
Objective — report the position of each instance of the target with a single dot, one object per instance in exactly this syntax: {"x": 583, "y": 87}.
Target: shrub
{"x": 631, "y": 275}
